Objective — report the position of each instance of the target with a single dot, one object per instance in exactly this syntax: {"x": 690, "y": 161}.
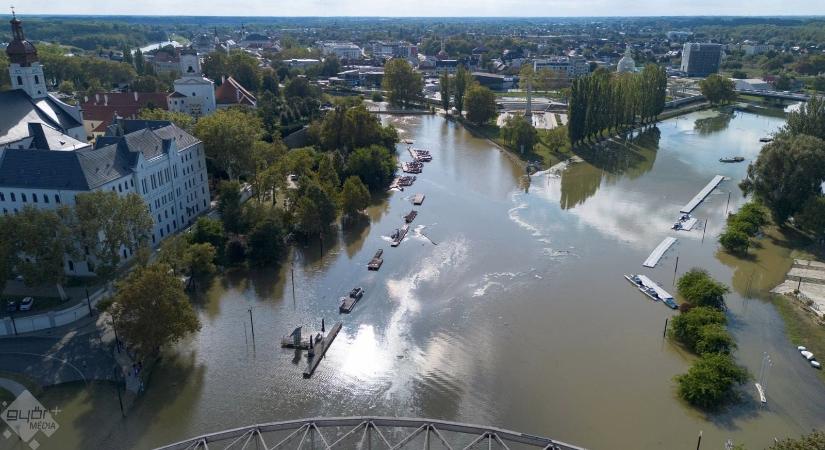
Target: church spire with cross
{"x": 25, "y": 70}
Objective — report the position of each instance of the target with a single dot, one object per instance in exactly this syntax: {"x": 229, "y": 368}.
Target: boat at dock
{"x": 652, "y": 290}
{"x": 376, "y": 261}
{"x": 399, "y": 234}
{"x": 766, "y": 139}
{"x": 731, "y": 159}
{"x": 418, "y": 199}
{"x": 420, "y": 155}
{"x": 411, "y": 216}
{"x": 406, "y": 181}
{"x": 412, "y": 167}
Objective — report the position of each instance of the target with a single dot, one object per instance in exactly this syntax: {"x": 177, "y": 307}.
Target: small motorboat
{"x": 356, "y": 293}
{"x": 816, "y": 365}
{"x": 807, "y": 355}
{"x": 801, "y": 348}
{"x": 766, "y": 139}
{"x": 731, "y": 159}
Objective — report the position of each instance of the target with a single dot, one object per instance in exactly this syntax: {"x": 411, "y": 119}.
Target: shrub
{"x": 698, "y": 288}
{"x": 711, "y": 382}
{"x": 687, "y": 327}
{"x": 734, "y": 240}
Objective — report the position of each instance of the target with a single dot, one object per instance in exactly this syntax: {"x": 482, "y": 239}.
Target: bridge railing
{"x": 368, "y": 433}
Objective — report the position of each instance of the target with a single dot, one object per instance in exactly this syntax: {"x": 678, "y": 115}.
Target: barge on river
{"x": 398, "y": 235}
{"x": 376, "y": 261}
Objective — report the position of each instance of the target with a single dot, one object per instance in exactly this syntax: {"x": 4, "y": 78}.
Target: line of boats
{"x": 420, "y": 155}
{"x": 652, "y": 290}
{"x": 412, "y": 167}
{"x": 809, "y": 356}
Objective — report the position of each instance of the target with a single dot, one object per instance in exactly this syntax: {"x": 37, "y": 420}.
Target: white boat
{"x": 801, "y": 348}
{"x": 816, "y": 365}
{"x": 807, "y": 355}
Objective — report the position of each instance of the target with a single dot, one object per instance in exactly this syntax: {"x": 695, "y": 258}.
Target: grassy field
{"x": 802, "y": 327}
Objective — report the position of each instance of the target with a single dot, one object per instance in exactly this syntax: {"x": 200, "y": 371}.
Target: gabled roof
{"x": 232, "y": 93}
{"x": 102, "y": 107}
{"x": 18, "y": 109}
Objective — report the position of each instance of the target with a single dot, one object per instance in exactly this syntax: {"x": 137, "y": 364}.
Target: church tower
{"x": 190, "y": 63}
{"x": 24, "y": 67}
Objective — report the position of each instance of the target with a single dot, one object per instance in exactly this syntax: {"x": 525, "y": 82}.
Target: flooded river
{"x": 504, "y": 306}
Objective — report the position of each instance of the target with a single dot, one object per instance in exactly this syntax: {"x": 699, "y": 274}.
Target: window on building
{"x": 56, "y": 198}
{"x": 19, "y": 80}
{"x": 34, "y": 197}
{"x": 23, "y": 197}
{"x": 124, "y": 254}
{"x": 2, "y": 197}
{"x": 45, "y": 198}
{"x": 5, "y": 211}
{"x": 71, "y": 266}
{"x": 12, "y": 197}
{"x": 119, "y": 187}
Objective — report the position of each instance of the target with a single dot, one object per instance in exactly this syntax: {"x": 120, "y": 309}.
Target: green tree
{"x": 711, "y": 382}
{"x": 209, "y": 231}
{"x": 229, "y": 206}
{"x": 266, "y": 240}
{"x": 314, "y": 210}
{"x": 480, "y": 103}
{"x": 327, "y": 174}
{"x": 228, "y": 136}
{"x": 199, "y": 260}
{"x": 8, "y": 249}
{"x": 699, "y": 289}
{"x": 403, "y": 84}
{"x": 735, "y": 240}
{"x": 714, "y": 338}
{"x": 299, "y": 87}
{"x": 813, "y": 441}
{"x": 111, "y": 227}
{"x": 718, "y": 89}
{"x": 374, "y": 165}
{"x": 184, "y": 121}
{"x": 355, "y": 196}
{"x": 66, "y": 87}
{"x": 519, "y": 132}
{"x": 786, "y": 174}
{"x": 808, "y": 119}
{"x": 739, "y": 74}
{"x": 687, "y": 327}
{"x": 41, "y": 239}
{"x": 812, "y": 216}
{"x": 461, "y": 83}
{"x": 269, "y": 83}
{"x": 172, "y": 252}
{"x": 146, "y": 83}
{"x": 445, "y": 89}
{"x": 151, "y": 310}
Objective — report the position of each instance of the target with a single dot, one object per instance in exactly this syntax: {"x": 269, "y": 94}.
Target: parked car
{"x": 26, "y": 304}
{"x": 11, "y": 306}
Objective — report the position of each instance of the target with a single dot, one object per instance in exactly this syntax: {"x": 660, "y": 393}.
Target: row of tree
{"x": 712, "y": 380}
{"x": 604, "y": 102}
{"x": 742, "y": 226}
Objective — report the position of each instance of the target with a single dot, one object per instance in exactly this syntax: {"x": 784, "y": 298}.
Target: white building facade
{"x": 194, "y": 94}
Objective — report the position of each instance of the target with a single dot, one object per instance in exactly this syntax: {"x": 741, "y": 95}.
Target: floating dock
{"x": 411, "y": 216}
{"x": 652, "y": 290}
{"x": 376, "y": 261}
{"x": 695, "y": 201}
{"x": 399, "y": 235}
{"x": 658, "y": 252}
{"x": 321, "y": 346}
{"x": 761, "y": 391}
{"x": 347, "y": 304}
{"x": 418, "y": 199}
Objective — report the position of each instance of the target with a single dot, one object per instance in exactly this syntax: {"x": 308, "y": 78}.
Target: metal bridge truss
{"x": 368, "y": 433}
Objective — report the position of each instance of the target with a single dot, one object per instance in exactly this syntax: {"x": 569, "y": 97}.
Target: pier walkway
{"x": 660, "y": 250}
{"x": 695, "y": 201}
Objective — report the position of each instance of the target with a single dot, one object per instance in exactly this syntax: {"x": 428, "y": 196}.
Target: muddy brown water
{"x": 505, "y": 306}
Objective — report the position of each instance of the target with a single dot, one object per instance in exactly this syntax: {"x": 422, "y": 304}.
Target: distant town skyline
{"x": 427, "y": 8}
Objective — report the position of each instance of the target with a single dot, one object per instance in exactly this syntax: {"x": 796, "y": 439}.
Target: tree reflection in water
{"x": 631, "y": 157}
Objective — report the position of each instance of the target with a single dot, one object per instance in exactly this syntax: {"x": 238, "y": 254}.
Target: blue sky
{"x": 521, "y": 8}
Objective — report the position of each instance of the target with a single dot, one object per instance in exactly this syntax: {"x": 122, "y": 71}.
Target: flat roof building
{"x": 701, "y": 60}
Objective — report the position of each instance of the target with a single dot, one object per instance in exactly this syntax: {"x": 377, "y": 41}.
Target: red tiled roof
{"x": 103, "y": 107}
{"x": 230, "y": 92}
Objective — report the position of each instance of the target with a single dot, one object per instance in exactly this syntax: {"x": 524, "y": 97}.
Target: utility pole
{"x": 699, "y": 442}
{"x": 89, "y": 302}
{"x": 726, "y": 206}
{"x": 704, "y": 230}
{"x": 117, "y": 387}
{"x": 675, "y": 268}
{"x": 251, "y": 326}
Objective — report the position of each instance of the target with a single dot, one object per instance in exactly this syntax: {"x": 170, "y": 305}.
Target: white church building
{"x": 194, "y": 94}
